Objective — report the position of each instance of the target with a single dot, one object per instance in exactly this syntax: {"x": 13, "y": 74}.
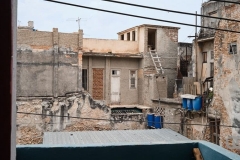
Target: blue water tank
{"x": 157, "y": 122}
{"x": 184, "y": 103}
{"x": 189, "y": 104}
{"x": 197, "y": 103}
{"x": 150, "y": 120}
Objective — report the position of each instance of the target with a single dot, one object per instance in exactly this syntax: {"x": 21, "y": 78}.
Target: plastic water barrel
{"x": 157, "y": 122}
{"x": 150, "y": 120}
{"x": 197, "y": 103}
{"x": 184, "y": 103}
{"x": 189, "y": 104}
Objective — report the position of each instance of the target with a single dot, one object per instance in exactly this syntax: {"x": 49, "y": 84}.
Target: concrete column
{"x": 90, "y": 75}
{"x": 107, "y": 80}
{"x": 80, "y": 53}
{"x": 79, "y": 87}
{"x": 55, "y": 62}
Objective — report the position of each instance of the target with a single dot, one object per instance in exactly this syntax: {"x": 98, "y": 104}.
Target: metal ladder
{"x": 156, "y": 61}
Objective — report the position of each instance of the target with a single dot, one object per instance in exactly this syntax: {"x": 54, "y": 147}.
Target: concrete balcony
{"x": 168, "y": 151}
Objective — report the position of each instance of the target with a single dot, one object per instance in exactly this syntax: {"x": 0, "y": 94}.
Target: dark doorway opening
{"x": 84, "y": 79}
{"x": 152, "y": 39}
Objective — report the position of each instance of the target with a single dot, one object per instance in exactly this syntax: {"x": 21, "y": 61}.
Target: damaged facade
{"x": 216, "y": 65}
{"x": 107, "y": 83}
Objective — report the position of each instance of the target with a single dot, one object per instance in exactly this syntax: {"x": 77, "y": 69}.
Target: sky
{"x": 96, "y": 24}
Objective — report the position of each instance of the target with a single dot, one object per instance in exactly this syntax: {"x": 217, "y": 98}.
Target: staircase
{"x": 156, "y": 61}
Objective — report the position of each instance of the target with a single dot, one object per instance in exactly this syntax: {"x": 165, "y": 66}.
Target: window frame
{"x": 122, "y": 37}
{"x": 130, "y": 79}
{"x": 213, "y": 134}
{"x": 133, "y": 36}
{"x": 212, "y": 54}
{"x": 128, "y": 36}
{"x": 204, "y": 57}
{"x": 230, "y": 48}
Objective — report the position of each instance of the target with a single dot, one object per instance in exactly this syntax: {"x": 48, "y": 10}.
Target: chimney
{"x": 30, "y": 24}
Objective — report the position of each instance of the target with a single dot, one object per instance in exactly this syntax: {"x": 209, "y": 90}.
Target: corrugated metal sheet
{"x": 113, "y": 137}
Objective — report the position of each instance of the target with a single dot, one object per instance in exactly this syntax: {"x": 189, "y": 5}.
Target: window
{"x": 212, "y": 55}
{"x": 133, "y": 35}
{"x": 214, "y": 130}
{"x": 204, "y": 57}
{"x": 211, "y": 69}
{"x": 233, "y": 48}
{"x": 213, "y": 13}
{"x": 115, "y": 72}
{"x": 128, "y": 36}
{"x": 84, "y": 79}
{"x": 133, "y": 79}
{"x": 122, "y": 37}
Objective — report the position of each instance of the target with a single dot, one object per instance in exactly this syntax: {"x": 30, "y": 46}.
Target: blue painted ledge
{"x": 123, "y": 151}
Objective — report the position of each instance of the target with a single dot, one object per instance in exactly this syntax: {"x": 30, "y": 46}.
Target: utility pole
{"x": 195, "y": 36}
{"x": 196, "y": 47}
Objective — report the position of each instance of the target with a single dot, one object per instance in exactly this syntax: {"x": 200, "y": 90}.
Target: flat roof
{"x": 117, "y": 55}
{"x": 113, "y": 137}
{"x": 148, "y": 25}
{"x": 130, "y": 106}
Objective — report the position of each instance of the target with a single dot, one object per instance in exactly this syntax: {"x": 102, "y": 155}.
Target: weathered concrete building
{"x": 115, "y": 69}
{"x": 216, "y": 65}
{"x": 54, "y": 68}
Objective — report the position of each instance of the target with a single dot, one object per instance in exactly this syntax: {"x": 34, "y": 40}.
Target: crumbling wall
{"x": 48, "y": 63}
{"x": 226, "y": 78}
{"x": 169, "y": 109}
{"x": 128, "y": 121}
{"x": 74, "y": 112}
{"x": 39, "y": 115}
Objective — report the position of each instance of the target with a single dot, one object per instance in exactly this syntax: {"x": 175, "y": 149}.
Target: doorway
{"x": 152, "y": 39}
{"x": 115, "y": 86}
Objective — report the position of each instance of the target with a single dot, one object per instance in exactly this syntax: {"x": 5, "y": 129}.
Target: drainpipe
{"x": 216, "y": 127}
{"x": 196, "y": 77}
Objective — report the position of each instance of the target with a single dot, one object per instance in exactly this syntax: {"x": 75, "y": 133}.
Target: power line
{"x": 225, "y": 1}
{"x": 167, "y": 10}
{"x": 97, "y": 119}
{"x": 131, "y": 15}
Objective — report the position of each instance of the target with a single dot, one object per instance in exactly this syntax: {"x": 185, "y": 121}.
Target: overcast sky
{"x": 96, "y": 24}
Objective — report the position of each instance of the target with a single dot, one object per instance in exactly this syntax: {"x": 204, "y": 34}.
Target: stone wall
{"x": 226, "y": 77}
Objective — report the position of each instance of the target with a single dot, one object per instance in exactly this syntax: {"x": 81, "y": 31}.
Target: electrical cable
{"x": 173, "y": 11}
{"x": 136, "y": 16}
{"x": 85, "y": 118}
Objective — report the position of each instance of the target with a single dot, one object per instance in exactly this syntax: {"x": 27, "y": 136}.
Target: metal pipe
{"x": 216, "y": 127}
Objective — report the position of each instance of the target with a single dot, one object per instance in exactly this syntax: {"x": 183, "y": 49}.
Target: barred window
{"x": 133, "y": 79}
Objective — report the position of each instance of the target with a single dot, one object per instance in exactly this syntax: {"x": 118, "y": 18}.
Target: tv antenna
{"x": 77, "y": 20}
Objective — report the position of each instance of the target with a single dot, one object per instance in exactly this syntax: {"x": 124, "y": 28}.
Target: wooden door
{"x": 97, "y": 84}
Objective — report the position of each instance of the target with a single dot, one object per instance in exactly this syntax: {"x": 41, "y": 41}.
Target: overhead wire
{"x": 102, "y": 119}
{"x": 137, "y": 16}
{"x": 168, "y": 10}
